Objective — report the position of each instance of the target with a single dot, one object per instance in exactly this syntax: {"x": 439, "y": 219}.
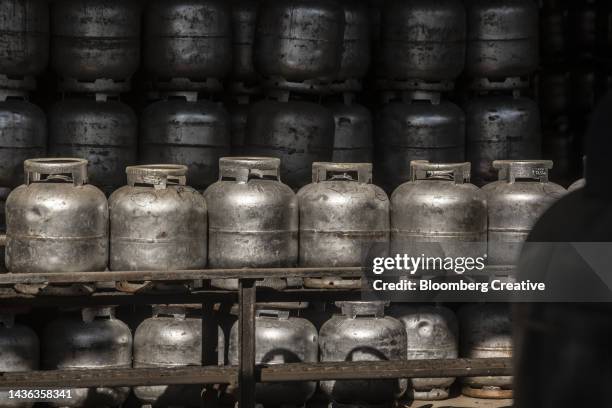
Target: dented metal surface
{"x": 280, "y": 339}
{"x": 252, "y": 216}
{"x": 439, "y": 213}
{"x": 344, "y": 218}
{"x": 157, "y": 222}
{"x": 433, "y": 334}
{"x": 56, "y": 221}
{"x": 90, "y": 339}
{"x": 363, "y": 333}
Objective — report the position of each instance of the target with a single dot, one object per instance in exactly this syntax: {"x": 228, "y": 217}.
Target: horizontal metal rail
{"x": 180, "y": 275}
{"x": 128, "y": 377}
{"x": 387, "y": 369}
{"x": 272, "y": 373}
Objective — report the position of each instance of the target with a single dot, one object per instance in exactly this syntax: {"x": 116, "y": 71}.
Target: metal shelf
{"x": 247, "y": 374}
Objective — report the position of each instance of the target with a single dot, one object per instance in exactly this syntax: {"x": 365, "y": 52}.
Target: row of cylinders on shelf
{"x": 409, "y": 126}
{"x": 299, "y": 44}
{"x": 249, "y": 218}
{"x": 93, "y": 338}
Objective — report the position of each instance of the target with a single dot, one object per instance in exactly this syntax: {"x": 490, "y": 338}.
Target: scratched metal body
{"x": 279, "y": 339}
{"x": 157, "y": 221}
{"x": 19, "y": 352}
{"x": 253, "y": 218}
{"x": 433, "y": 334}
{"x": 56, "y": 222}
{"x": 439, "y": 213}
{"x": 363, "y": 333}
{"x": 344, "y": 218}
{"x": 89, "y": 339}
{"x": 172, "y": 337}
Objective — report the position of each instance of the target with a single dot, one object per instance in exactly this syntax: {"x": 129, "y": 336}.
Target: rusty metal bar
{"x": 180, "y": 275}
{"x": 387, "y": 369}
{"x": 273, "y": 373}
{"x": 118, "y": 377}
{"x": 246, "y": 326}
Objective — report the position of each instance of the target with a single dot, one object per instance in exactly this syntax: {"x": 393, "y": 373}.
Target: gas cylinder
{"x": 344, "y": 220}
{"x": 24, "y": 42}
{"x": 418, "y": 126}
{"x": 280, "y": 338}
{"x": 515, "y": 202}
{"x": 19, "y": 352}
{"x": 299, "y": 40}
{"x": 187, "y": 40}
{"x": 439, "y": 213}
{"x": 187, "y": 131}
{"x": 89, "y": 339}
{"x": 501, "y": 127}
{"x": 486, "y": 332}
{"x": 433, "y": 334}
{"x": 298, "y": 132}
{"x": 56, "y": 222}
{"x": 363, "y": 333}
{"x": 157, "y": 222}
{"x": 95, "y": 44}
{"x": 423, "y": 40}
{"x": 101, "y": 130}
{"x": 502, "y": 38}
{"x": 252, "y": 218}
{"x": 172, "y": 337}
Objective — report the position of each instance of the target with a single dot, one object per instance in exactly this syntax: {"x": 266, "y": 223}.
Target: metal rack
{"x": 242, "y": 377}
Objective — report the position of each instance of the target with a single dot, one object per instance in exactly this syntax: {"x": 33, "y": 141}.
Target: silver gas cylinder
{"x": 19, "y": 352}
{"x": 439, "y": 213}
{"x": 486, "y": 332}
{"x": 299, "y": 40}
{"x": 157, "y": 222}
{"x": 433, "y": 334}
{"x": 95, "y": 44}
{"x": 502, "y": 38}
{"x": 500, "y": 127}
{"x": 187, "y": 40}
{"x": 102, "y": 130}
{"x": 90, "y": 339}
{"x": 416, "y": 126}
{"x": 363, "y": 333}
{"x": 344, "y": 220}
{"x": 56, "y": 222}
{"x": 172, "y": 337}
{"x": 184, "y": 130}
{"x": 280, "y": 339}
{"x": 422, "y": 40}
{"x": 299, "y": 132}
{"x": 24, "y": 42}
{"x": 252, "y": 217}
{"x": 515, "y": 202}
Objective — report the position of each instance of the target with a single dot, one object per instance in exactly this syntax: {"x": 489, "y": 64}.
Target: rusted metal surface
{"x": 118, "y": 377}
{"x": 228, "y": 374}
{"x": 246, "y": 327}
{"x": 180, "y": 275}
{"x": 387, "y": 369}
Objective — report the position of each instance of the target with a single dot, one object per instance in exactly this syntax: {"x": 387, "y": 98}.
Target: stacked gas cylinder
{"x": 95, "y": 51}
{"x": 24, "y": 54}
{"x": 300, "y": 190}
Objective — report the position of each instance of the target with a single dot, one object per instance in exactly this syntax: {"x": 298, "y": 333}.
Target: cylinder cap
{"x": 242, "y": 168}
{"x": 157, "y": 175}
{"x": 423, "y": 169}
{"x": 510, "y": 170}
{"x": 35, "y": 168}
